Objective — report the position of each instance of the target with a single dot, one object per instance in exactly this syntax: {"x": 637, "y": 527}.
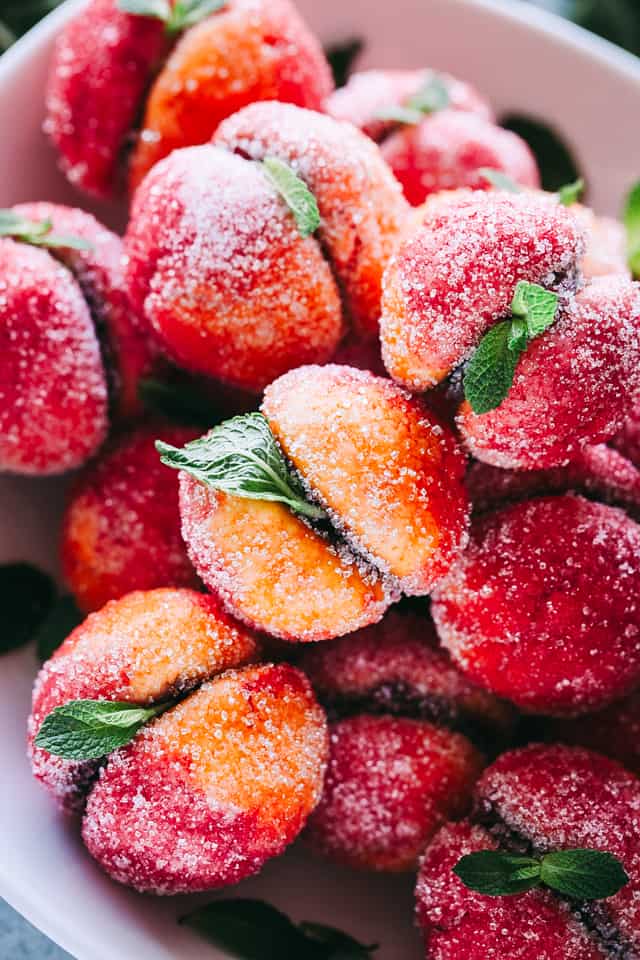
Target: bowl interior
{"x": 525, "y": 61}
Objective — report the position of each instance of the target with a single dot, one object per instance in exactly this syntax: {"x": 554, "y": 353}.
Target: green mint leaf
{"x": 536, "y": 306}
{"x": 631, "y": 219}
{"x": 571, "y": 192}
{"x": 249, "y": 930}
{"x": 90, "y": 729}
{"x": 405, "y": 115}
{"x": 63, "y": 617}
{"x": 156, "y": 9}
{"x": 296, "y": 194}
{"x": 518, "y": 335}
{"x": 489, "y": 374}
{"x": 339, "y": 945}
{"x": 432, "y": 96}
{"x": 26, "y": 597}
{"x": 500, "y": 180}
{"x": 241, "y": 458}
{"x": 37, "y": 233}
{"x": 342, "y": 58}
{"x": 555, "y": 160}
{"x": 178, "y": 402}
{"x": 186, "y": 13}
{"x": 498, "y": 874}
{"x": 583, "y": 874}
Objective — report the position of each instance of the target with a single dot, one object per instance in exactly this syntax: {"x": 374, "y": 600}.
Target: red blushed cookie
{"x": 542, "y": 608}
{"x": 361, "y": 206}
{"x": 128, "y": 350}
{"x": 433, "y": 317}
{"x": 458, "y": 924}
{"x": 397, "y": 667}
{"x": 390, "y": 474}
{"x": 598, "y": 473}
{"x": 627, "y": 441}
{"x": 145, "y": 648}
{"x": 217, "y": 265}
{"x": 370, "y": 92}
{"x": 249, "y": 50}
{"x": 390, "y": 784}
{"x": 103, "y": 62}
{"x": 614, "y": 732}
{"x": 447, "y": 150}
{"x": 53, "y": 391}
{"x": 121, "y": 528}
{"x": 573, "y": 386}
{"x": 205, "y": 795}
{"x": 606, "y": 244}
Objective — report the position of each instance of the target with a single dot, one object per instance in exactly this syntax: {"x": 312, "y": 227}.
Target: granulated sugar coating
{"x": 275, "y": 572}
{"x": 446, "y": 151}
{"x": 388, "y": 471}
{"x": 370, "y": 92}
{"x": 614, "y": 732}
{"x": 145, "y": 648}
{"x": 573, "y": 386}
{"x": 598, "y": 473}
{"x": 556, "y": 797}
{"x": 542, "y": 608}
{"x": 128, "y": 351}
{"x": 360, "y": 202}
{"x": 121, "y": 527}
{"x": 217, "y": 265}
{"x": 214, "y": 788}
{"x": 457, "y": 274}
{"x": 397, "y": 667}
{"x": 390, "y": 784}
{"x": 53, "y": 391}
{"x": 101, "y": 67}
{"x": 247, "y": 51}
{"x": 458, "y": 924}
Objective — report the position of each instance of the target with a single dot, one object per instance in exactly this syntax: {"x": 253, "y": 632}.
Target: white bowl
{"x": 525, "y": 60}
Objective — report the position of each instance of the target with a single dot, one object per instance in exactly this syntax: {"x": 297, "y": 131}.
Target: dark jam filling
{"x": 593, "y": 915}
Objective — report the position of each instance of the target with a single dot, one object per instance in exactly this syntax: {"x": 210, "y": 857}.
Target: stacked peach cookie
{"x": 428, "y": 519}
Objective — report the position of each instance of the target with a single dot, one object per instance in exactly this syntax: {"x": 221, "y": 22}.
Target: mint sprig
{"x": 432, "y": 97}
{"x": 581, "y": 874}
{"x": 631, "y": 219}
{"x": 500, "y": 180}
{"x": 90, "y": 729}
{"x": 296, "y": 194}
{"x": 571, "y": 192}
{"x": 490, "y": 371}
{"x": 255, "y": 930}
{"x": 38, "y": 233}
{"x": 177, "y": 17}
{"x": 241, "y": 457}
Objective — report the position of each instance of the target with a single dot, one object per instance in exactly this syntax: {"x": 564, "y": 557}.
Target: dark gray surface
{"x": 20, "y": 941}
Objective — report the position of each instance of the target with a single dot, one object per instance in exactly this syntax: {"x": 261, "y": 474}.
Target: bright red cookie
{"x": 214, "y": 788}
{"x": 144, "y": 648}
{"x": 391, "y": 782}
{"x": 219, "y": 268}
{"x": 542, "y": 608}
{"x": 53, "y": 390}
{"x": 361, "y": 207}
{"x": 121, "y": 528}
{"x": 106, "y": 60}
{"x": 627, "y": 441}
{"x": 538, "y": 799}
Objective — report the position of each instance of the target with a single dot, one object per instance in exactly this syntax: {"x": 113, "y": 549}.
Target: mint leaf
{"x": 432, "y": 96}
{"x": 583, "y": 874}
{"x": 500, "y": 180}
{"x": 90, "y": 729}
{"x": 631, "y": 219}
{"x": 255, "y": 930}
{"x": 571, "y": 192}
{"x": 342, "y": 58}
{"x": 489, "y": 374}
{"x": 405, "y": 115}
{"x": 37, "y": 233}
{"x": 296, "y": 194}
{"x": 56, "y": 627}
{"x": 179, "y": 402}
{"x": 26, "y": 597}
{"x": 186, "y": 13}
{"x": 536, "y": 306}
{"x": 241, "y": 458}
{"x": 156, "y": 9}
{"x": 497, "y": 874}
